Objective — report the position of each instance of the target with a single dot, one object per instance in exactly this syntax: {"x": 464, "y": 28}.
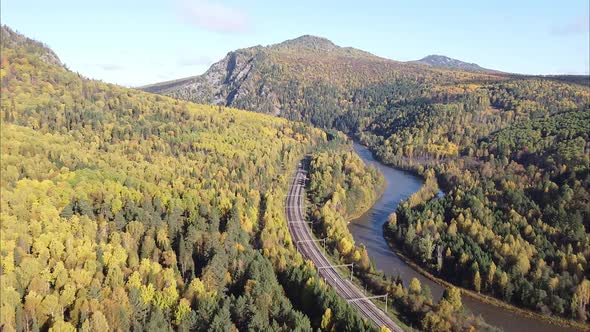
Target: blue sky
{"x": 132, "y": 42}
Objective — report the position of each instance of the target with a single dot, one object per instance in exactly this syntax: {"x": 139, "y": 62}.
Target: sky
{"x": 133, "y": 43}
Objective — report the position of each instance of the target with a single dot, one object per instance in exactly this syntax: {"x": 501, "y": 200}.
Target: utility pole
{"x": 351, "y": 265}
{"x": 318, "y": 240}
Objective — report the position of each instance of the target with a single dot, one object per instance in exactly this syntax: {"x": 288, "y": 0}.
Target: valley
{"x": 221, "y": 201}
{"x": 455, "y": 125}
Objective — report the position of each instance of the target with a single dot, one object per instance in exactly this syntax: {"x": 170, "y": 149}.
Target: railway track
{"x": 309, "y": 248}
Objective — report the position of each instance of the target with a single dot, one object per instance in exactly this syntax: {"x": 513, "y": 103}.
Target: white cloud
{"x": 110, "y": 66}
{"x": 188, "y": 61}
{"x": 579, "y": 25}
{"x": 214, "y": 16}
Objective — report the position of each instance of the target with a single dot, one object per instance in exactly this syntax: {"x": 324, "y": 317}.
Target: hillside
{"x": 123, "y": 210}
{"x": 14, "y": 40}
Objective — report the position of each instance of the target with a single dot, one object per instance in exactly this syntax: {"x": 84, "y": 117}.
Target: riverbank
{"x": 368, "y": 230}
{"x": 557, "y": 321}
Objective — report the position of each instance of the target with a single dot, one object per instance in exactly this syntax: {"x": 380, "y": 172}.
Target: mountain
{"x": 269, "y": 79}
{"x": 239, "y": 72}
{"x": 441, "y": 61}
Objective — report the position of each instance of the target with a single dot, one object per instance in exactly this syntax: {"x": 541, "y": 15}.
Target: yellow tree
{"x": 326, "y": 324}
{"x": 580, "y": 299}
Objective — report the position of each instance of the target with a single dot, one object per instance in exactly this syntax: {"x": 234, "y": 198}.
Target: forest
{"x": 513, "y": 160}
{"x": 514, "y": 224}
{"x": 122, "y": 210}
{"x": 510, "y": 152}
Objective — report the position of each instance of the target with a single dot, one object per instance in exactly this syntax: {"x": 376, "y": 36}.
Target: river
{"x": 368, "y": 229}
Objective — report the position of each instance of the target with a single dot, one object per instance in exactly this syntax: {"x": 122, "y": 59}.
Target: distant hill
{"x": 577, "y": 79}
{"x": 441, "y": 61}
{"x": 275, "y": 78}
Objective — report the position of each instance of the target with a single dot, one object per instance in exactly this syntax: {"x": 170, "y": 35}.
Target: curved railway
{"x": 308, "y": 247}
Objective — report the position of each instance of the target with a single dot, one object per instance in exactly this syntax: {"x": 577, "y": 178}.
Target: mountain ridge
{"x": 306, "y": 44}
{"x": 255, "y": 77}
